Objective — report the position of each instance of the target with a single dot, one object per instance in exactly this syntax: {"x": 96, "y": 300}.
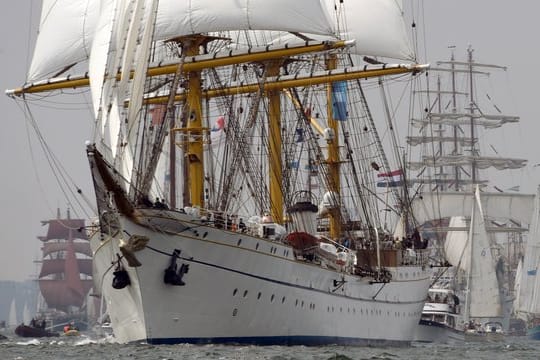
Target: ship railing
{"x": 367, "y": 258}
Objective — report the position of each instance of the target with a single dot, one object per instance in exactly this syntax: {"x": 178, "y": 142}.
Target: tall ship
{"x": 476, "y": 228}
{"x": 235, "y": 163}
{"x": 65, "y": 277}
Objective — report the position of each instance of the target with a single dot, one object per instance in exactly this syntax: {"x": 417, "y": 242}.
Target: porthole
{"x": 272, "y": 298}
{"x": 239, "y": 242}
{"x": 234, "y": 312}
{"x": 234, "y": 292}
{"x": 257, "y": 246}
{"x": 245, "y": 293}
{"x": 259, "y": 295}
{"x": 283, "y": 299}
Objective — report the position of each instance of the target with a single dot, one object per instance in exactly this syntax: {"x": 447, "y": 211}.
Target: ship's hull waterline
{"x": 248, "y": 290}
{"x": 434, "y": 332}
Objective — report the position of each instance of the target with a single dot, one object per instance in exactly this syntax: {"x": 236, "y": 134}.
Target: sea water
{"x": 88, "y": 347}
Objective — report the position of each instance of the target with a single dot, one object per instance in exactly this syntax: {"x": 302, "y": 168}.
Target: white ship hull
{"x": 434, "y": 332}
{"x": 244, "y": 289}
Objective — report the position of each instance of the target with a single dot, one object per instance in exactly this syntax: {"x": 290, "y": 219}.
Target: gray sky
{"x": 501, "y": 32}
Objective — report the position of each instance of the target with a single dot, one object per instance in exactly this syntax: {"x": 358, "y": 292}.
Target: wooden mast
{"x": 194, "y": 129}
{"x": 274, "y": 146}
{"x": 333, "y": 155}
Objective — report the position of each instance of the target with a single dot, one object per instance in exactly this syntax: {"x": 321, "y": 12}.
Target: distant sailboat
{"x": 27, "y": 317}
{"x": 12, "y": 317}
{"x": 527, "y": 303}
{"x": 483, "y": 300}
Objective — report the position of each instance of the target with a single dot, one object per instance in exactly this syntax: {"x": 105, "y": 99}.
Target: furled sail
{"x": 417, "y": 140}
{"x": 481, "y": 162}
{"x": 454, "y": 119}
{"x": 433, "y": 205}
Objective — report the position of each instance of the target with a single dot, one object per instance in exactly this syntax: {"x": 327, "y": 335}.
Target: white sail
{"x": 456, "y": 248}
{"x": 12, "y": 316}
{"x": 27, "y": 317}
{"x": 101, "y": 88}
{"x": 437, "y": 205}
{"x": 528, "y": 295}
{"x": 518, "y": 307}
{"x": 377, "y": 26}
{"x": 66, "y": 33}
{"x": 483, "y": 297}
{"x": 68, "y": 27}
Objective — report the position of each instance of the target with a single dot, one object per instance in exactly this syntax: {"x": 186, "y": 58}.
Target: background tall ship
{"x": 475, "y": 226}
{"x": 252, "y": 123}
{"x": 65, "y": 277}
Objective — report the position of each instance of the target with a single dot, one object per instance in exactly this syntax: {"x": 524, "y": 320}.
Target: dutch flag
{"x": 390, "y": 179}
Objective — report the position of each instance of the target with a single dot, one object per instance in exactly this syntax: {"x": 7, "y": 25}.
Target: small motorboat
{"x": 33, "y": 331}
{"x": 71, "y": 330}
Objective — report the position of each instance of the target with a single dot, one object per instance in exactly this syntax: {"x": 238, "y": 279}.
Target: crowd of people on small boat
{"x": 38, "y": 324}
{"x": 69, "y": 327}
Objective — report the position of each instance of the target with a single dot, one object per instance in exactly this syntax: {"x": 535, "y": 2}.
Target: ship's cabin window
{"x": 439, "y": 318}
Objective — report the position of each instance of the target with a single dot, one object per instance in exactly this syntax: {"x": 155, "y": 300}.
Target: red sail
{"x": 65, "y": 277}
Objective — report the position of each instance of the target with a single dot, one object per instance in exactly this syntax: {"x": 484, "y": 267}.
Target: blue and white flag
{"x": 339, "y": 100}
